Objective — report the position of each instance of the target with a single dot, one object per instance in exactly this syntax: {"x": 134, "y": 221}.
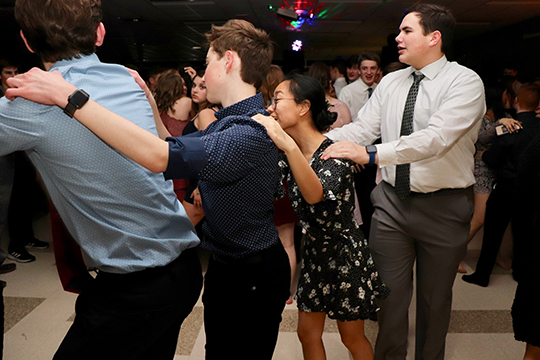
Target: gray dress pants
{"x": 431, "y": 229}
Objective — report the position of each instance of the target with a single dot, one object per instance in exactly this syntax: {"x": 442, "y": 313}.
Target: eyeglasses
{"x": 275, "y": 101}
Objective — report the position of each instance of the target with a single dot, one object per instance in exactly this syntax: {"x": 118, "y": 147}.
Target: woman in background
{"x": 174, "y": 110}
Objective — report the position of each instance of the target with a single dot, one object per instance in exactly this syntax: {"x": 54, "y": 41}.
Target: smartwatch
{"x": 76, "y": 101}
{"x": 371, "y": 150}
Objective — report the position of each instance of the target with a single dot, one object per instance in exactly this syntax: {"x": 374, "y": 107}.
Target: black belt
{"x": 441, "y": 192}
{"x": 251, "y": 259}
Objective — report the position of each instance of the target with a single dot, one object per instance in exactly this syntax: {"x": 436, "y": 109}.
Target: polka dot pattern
{"x": 124, "y": 217}
{"x": 238, "y": 182}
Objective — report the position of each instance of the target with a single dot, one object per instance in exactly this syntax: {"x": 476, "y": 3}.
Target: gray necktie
{"x": 403, "y": 180}
{"x": 370, "y": 92}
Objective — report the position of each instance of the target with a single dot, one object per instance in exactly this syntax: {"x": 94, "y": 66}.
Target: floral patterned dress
{"x": 483, "y": 175}
{"x": 338, "y": 276}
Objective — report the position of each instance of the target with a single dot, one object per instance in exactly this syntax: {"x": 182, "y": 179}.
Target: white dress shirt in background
{"x": 339, "y": 84}
{"x": 355, "y": 95}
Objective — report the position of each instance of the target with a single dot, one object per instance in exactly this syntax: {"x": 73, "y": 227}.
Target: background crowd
{"x": 323, "y": 111}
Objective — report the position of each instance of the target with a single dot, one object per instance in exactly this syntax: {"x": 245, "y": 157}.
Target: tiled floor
{"x": 39, "y": 313}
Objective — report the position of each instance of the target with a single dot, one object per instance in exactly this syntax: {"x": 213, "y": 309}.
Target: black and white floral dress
{"x": 338, "y": 276}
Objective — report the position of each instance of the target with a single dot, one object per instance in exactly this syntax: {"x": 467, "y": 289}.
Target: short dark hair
{"x": 352, "y": 60}
{"x": 252, "y": 45}
{"x": 307, "y": 88}
{"x": 4, "y": 63}
{"x": 435, "y": 17}
{"x": 528, "y": 96}
{"x": 369, "y": 55}
{"x": 340, "y": 64}
{"x": 59, "y": 29}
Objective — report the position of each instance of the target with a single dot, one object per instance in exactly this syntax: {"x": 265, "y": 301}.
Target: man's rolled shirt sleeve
{"x": 187, "y": 157}
{"x": 222, "y": 156}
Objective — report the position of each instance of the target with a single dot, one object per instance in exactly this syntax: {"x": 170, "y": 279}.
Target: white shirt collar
{"x": 431, "y": 70}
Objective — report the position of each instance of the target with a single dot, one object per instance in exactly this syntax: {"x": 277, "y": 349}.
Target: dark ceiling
{"x": 145, "y": 32}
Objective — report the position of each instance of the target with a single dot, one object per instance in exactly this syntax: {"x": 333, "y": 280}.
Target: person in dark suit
{"x": 504, "y": 156}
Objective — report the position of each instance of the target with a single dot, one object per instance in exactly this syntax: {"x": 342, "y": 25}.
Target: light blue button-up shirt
{"x": 125, "y": 217}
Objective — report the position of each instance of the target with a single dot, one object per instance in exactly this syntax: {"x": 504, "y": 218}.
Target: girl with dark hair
{"x": 174, "y": 110}
{"x": 321, "y": 72}
{"x": 338, "y": 277}
{"x": 174, "y": 107}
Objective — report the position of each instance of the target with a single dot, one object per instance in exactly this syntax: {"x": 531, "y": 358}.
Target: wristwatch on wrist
{"x": 371, "y": 150}
{"x": 76, "y": 101}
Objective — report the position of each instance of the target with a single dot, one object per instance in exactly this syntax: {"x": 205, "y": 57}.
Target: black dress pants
{"x": 499, "y": 210}
{"x": 136, "y": 315}
{"x": 243, "y": 302}
{"x": 27, "y": 199}
{"x": 364, "y": 183}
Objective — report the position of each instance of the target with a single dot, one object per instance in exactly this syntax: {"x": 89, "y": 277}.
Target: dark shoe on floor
{"x": 7, "y": 268}
{"x": 476, "y": 279}
{"x": 37, "y": 244}
{"x": 373, "y": 316}
{"x": 22, "y": 256}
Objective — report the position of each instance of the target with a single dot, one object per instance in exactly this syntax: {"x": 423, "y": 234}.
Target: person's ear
{"x": 229, "y": 60}
{"x": 100, "y": 34}
{"x": 26, "y": 42}
{"x": 304, "y": 107}
{"x": 436, "y": 38}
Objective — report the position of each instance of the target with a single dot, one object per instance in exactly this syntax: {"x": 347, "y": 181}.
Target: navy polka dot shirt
{"x": 237, "y": 167}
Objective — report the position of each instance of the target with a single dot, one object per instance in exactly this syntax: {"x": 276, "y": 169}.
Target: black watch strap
{"x": 76, "y": 101}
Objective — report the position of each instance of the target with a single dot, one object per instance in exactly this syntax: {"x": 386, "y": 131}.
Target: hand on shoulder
{"x": 347, "y": 150}
{"x": 44, "y": 87}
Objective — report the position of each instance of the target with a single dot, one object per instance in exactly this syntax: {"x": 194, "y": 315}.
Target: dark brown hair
{"x": 252, "y": 45}
{"x": 369, "y": 55}
{"x": 169, "y": 88}
{"x": 59, "y": 29}
{"x": 435, "y": 17}
{"x": 320, "y": 72}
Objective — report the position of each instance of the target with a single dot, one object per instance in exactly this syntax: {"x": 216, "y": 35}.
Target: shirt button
{"x": 253, "y": 288}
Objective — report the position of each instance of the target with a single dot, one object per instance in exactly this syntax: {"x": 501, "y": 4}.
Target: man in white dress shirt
{"x": 428, "y": 117}
{"x": 357, "y": 93}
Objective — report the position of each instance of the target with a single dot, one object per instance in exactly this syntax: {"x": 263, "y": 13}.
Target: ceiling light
{"x": 287, "y": 13}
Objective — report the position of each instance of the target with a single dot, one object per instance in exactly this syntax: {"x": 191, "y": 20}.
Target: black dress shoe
{"x": 7, "y": 268}
{"x": 476, "y": 279}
